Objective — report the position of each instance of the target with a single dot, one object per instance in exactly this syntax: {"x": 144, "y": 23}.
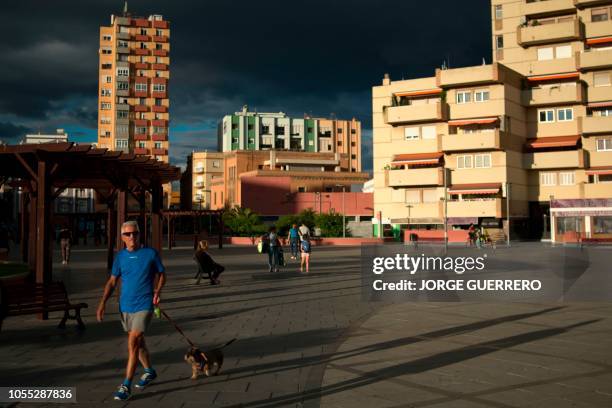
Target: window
{"x": 301, "y": 189}
{"x": 310, "y": 130}
{"x": 265, "y": 130}
{"x": 123, "y": 86}
{"x": 158, "y": 46}
{"x": 410, "y": 133}
{"x": 107, "y": 79}
{"x": 143, "y": 46}
{"x": 105, "y": 120}
{"x": 339, "y": 142}
{"x": 601, "y": 78}
{"x": 216, "y": 164}
{"x": 499, "y": 41}
{"x": 122, "y": 114}
{"x": 546, "y": 115}
{"x": 106, "y": 51}
{"x": 563, "y": 51}
{"x": 142, "y": 145}
{"x": 464, "y": 162}
{"x": 353, "y": 131}
{"x": 121, "y": 143}
{"x": 545, "y": 53}
{"x": 339, "y": 131}
{"x": 600, "y": 14}
{"x": 105, "y": 106}
{"x": 498, "y": 12}
{"x": 566, "y": 178}
{"x": 464, "y": 97}
{"x": 158, "y": 102}
{"x": 143, "y": 31}
{"x": 124, "y": 44}
{"x": 604, "y": 112}
{"x": 250, "y": 126}
{"x": 140, "y": 87}
{"x": 107, "y": 38}
{"x": 122, "y": 129}
{"x": 604, "y": 145}
{"x": 548, "y": 179}
{"x": 159, "y": 33}
{"x": 565, "y": 115}
{"x": 429, "y": 132}
{"x": 159, "y": 88}
{"x": 482, "y": 160}
{"x": 159, "y": 130}
{"x": 123, "y": 72}
{"x": 140, "y": 130}
{"x": 280, "y": 130}
{"x": 157, "y": 145}
{"x": 107, "y": 66}
{"x": 142, "y": 101}
{"x": 481, "y": 95}
{"x": 353, "y": 144}
{"x": 105, "y": 92}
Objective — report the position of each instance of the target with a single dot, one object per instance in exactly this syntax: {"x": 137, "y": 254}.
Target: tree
{"x": 330, "y": 224}
{"x": 243, "y": 222}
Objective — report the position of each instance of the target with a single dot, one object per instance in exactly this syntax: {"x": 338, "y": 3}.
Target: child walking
{"x": 305, "y": 250}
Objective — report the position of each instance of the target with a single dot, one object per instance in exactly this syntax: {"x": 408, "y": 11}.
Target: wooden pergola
{"x": 43, "y": 171}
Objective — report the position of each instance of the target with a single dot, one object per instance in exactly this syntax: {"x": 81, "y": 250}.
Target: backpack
{"x": 306, "y": 246}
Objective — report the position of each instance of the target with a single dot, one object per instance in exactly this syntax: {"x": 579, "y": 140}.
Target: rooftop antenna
{"x": 483, "y": 61}
{"x": 125, "y": 9}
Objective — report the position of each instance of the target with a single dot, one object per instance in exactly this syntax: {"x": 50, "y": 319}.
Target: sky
{"x": 315, "y": 57}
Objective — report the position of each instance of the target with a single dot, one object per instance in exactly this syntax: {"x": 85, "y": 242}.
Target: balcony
{"x": 433, "y": 112}
{"x": 554, "y": 95}
{"x": 124, "y": 21}
{"x": 160, "y": 38}
{"x": 140, "y": 122}
{"x": 141, "y": 65}
{"x": 424, "y": 210}
{"x": 159, "y": 122}
{"x": 546, "y": 67}
{"x": 160, "y": 152}
{"x": 598, "y": 94}
{"x": 596, "y": 124}
{"x": 467, "y": 76}
{"x": 141, "y": 150}
{"x": 140, "y": 51}
{"x": 160, "y": 24}
{"x": 123, "y": 50}
{"x": 140, "y": 22}
{"x": 141, "y": 37}
{"x": 476, "y": 208}
{"x": 199, "y": 184}
{"x": 158, "y": 94}
{"x": 598, "y": 190}
{"x": 597, "y": 29}
{"x": 559, "y": 192}
{"x": 472, "y": 141}
{"x": 160, "y": 67}
{"x": 595, "y": 59}
{"x": 159, "y": 137}
{"x": 122, "y": 36}
{"x": 159, "y": 109}
{"x": 493, "y": 107}
{"x": 141, "y": 108}
{"x": 140, "y": 136}
{"x": 199, "y": 169}
{"x": 415, "y": 177}
{"x": 528, "y": 36}
{"x": 543, "y": 8}
{"x": 587, "y": 3}
{"x": 160, "y": 53}
{"x": 122, "y": 106}
{"x": 122, "y": 92}
{"x": 570, "y": 159}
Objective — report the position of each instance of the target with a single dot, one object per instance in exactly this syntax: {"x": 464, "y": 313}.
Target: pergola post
{"x": 23, "y": 225}
{"x": 32, "y": 232}
{"x": 156, "y": 216}
{"x": 142, "y": 216}
{"x": 43, "y": 253}
{"x": 221, "y": 228}
{"x": 169, "y": 233}
{"x": 121, "y": 216}
{"x": 111, "y": 232}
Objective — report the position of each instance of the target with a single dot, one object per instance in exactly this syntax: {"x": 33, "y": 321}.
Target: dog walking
{"x": 142, "y": 279}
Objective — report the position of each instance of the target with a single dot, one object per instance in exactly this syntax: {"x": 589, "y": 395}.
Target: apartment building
{"x": 202, "y": 169}
{"x": 286, "y": 172}
{"x": 246, "y": 130}
{"x": 527, "y": 138}
{"x": 133, "y": 85}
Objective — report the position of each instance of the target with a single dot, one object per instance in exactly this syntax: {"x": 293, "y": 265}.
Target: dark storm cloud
{"x": 11, "y": 133}
{"x": 316, "y": 57}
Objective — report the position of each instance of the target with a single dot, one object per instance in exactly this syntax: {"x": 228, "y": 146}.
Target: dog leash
{"x": 176, "y": 327}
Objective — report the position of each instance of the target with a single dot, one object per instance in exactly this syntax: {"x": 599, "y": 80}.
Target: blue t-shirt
{"x": 137, "y": 271}
{"x": 293, "y": 233}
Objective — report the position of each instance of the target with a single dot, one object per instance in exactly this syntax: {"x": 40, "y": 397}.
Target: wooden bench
{"x": 28, "y": 299}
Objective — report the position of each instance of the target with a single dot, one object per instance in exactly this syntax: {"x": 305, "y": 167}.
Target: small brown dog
{"x": 204, "y": 361}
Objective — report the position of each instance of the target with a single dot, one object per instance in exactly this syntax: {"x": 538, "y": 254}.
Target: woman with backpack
{"x": 305, "y": 250}
{"x": 274, "y": 251}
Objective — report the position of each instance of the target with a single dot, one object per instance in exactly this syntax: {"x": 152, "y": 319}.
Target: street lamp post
{"x": 343, "y": 211}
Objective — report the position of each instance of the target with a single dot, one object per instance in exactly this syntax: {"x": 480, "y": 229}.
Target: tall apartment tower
{"x": 246, "y": 130}
{"x": 133, "y": 85}
{"x": 523, "y": 144}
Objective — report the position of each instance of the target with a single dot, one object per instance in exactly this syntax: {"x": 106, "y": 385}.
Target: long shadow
{"x": 414, "y": 367}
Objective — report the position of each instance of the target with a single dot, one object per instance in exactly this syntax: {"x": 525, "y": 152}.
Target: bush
{"x": 306, "y": 217}
{"x": 243, "y": 222}
{"x": 330, "y": 224}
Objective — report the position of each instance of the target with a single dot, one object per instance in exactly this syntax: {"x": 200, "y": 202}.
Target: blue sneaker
{"x": 146, "y": 379}
{"x": 123, "y": 393}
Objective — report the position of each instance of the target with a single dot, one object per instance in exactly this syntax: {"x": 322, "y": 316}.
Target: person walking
{"x": 294, "y": 240}
{"x": 305, "y": 248}
{"x": 142, "y": 279}
{"x": 274, "y": 251}
{"x": 207, "y": 265}
{"x": 304, "y": 231}
{"x": 65, "y": 237}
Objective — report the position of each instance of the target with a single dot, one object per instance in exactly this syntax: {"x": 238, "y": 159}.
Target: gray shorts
{"x": 138, "y": 321}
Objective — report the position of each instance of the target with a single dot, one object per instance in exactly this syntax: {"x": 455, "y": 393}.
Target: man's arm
{"x": 108, "y": 291}
{"x": 160, "y": 281}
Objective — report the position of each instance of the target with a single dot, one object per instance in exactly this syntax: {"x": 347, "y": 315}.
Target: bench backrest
{"x": 23, "y": 297}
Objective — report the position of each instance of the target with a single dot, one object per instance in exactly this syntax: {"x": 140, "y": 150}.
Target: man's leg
{"x": 143, "y": 353}
{"x": 134, "y": 339}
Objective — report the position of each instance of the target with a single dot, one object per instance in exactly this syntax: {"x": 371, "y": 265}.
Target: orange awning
{"x": 424, "y": 92}
{"x": 601, "y": 40}
{"x": 600, "y": 104}
{"x": 568, "y": 75}
{"x": 599, "y": 170}
{"x": 417, "y": 158}
{"x": 555, "y": 141}
{"x": 464, "y": 122}
{"x": 482, "y": 188}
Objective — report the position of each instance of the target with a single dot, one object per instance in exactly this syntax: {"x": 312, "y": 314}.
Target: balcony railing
{"x": 555, "y": 159}
{"x": 554, "y": 95}
{"x": 596, "y": 124}
{"x": 541, "y": 8}
{"x": 594, "y": 59}
{"x": 472, "y": 141}
{"x": 415, "y": 177}
{"x": 598, "y": 190}
{"x": 476, "y": 208}
{"x": 528, "y": 36}
{"x": 433, "y": 112}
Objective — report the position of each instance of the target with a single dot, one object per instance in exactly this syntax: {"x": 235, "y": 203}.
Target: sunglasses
{"x": 132, "y": 233}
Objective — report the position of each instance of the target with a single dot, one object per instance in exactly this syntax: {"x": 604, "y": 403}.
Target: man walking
{"x": 65, "y": 240}
{"x": 142, "y": 278}
{"x": 294, "y": 240}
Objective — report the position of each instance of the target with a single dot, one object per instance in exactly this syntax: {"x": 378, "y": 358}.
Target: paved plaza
{"x": 310, "y": 340}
